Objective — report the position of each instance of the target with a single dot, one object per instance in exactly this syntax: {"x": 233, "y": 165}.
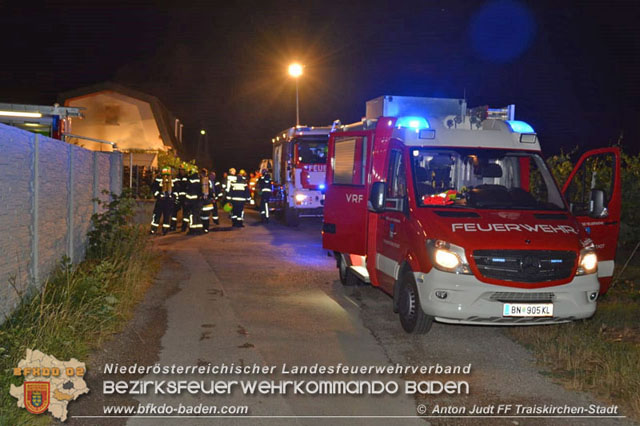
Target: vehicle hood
{"x": 511, "y": 230}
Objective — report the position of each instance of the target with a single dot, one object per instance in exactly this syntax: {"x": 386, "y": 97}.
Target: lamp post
{"x": 295, "y": 71}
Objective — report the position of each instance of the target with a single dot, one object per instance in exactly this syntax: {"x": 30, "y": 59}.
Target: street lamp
{"x": 203, "y": 132}
{"x": 295, "y": 71}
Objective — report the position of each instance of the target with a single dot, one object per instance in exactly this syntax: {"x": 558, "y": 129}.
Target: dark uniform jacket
{"x": 239, "y": 190}
{"x": 161, "y": 191}
{"x": 265, "y": 183}
{"x": 194, "y": 188}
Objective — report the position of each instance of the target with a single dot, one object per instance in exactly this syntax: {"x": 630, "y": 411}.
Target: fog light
{"x": 593, "y": 296}
{"x": 441, "y": 294}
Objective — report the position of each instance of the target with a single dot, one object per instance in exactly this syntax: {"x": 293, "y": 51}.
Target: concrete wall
{"x": 46, "y": 193}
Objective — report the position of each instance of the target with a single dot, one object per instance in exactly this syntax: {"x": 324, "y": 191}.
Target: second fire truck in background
{"x": 299, "y": 169}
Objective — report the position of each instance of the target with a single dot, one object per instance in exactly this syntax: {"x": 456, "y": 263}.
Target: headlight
{"x": 448, "y": 257}
{"x": 300, "y": 197}
{"x": 588, "y": 263}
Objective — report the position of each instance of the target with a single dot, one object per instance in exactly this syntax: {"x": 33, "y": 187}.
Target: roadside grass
{"x": 600, "y": 355}
{"x": 79, "y": 306}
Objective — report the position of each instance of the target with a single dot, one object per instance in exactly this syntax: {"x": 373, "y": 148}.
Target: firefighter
{"x": 207, "y": 199}
{"x": 165, "y": 200}
{"x": 265, "y": 188}
{"x": 217, "y": 194}
{"x": 253, "y": 179}
{"x": 194, "y": 202}
{"x": 179, "y": 187}
{"x": 239, "y": 194}
{"x": 231, "y": 177}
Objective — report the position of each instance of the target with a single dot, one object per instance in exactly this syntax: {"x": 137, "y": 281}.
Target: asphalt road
{"x": 270, "y": 295}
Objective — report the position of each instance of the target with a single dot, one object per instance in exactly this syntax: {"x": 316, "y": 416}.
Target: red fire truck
{"x": 299, "y": 168}
{"x": 454, "y": 213}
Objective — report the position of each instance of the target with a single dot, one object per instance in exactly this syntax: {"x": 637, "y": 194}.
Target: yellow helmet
{"x": 232, "y": 171}
{"x": 242, "y": 172}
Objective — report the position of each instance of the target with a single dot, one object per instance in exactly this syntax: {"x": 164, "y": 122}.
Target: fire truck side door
{"x": 391, "y": 227}
{"x": 593, "y": 192}
{"x": 345, "y": 207}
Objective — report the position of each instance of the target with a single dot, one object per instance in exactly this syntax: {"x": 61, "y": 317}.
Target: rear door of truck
{"x": 598, "y": 169}
{"x": 345, "y": 209}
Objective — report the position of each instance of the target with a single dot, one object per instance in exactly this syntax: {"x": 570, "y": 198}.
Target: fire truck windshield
{"x": 311, "y": 151}
{"x": 483, "y": 179}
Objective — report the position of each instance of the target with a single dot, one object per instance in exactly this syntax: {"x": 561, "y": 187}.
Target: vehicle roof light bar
{"x": 412, "y": 122}
{"x": 520, "y": 126}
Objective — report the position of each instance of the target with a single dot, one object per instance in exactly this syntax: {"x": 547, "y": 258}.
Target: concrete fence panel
{"x": 47, "y": 188}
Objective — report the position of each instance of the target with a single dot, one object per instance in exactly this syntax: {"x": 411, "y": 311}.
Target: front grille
{"x": 521, "y": 297}
{"x": 527, "y": 266}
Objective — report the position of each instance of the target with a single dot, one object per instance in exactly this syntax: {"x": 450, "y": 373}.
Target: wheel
{"x": 343, "y": 268}
{"x": 290, "y": 215}
{"x": 352, "y": 279}
{"x": 347, "y": 277}
{"x": 412, "y": 317}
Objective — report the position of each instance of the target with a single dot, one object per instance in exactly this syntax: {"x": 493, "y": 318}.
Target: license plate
{"x": 527, "y": 310}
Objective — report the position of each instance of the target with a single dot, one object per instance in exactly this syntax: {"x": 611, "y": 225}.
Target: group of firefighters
{"x": 197, "y": 194}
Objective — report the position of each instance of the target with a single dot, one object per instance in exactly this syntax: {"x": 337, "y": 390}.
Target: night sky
{"x": 573, "y": 70}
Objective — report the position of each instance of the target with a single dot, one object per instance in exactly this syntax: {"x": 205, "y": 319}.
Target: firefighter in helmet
{"x": 194, "y": 202}
{"x": 207, "y": 199}
{"x": 265, "y": 187}
{"x": 179, "y": 187}
{"x": 231, "y": 177}
{"x": 165, "y": 200}
{"x": 239, "y": 194}
{"x": 217, "y": 194}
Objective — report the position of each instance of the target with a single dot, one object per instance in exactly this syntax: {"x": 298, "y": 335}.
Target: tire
{"x": 347, "y": 277}
{"x": 353, "y": 280}
{"x": 290, "y": 215}
{"x": 343, "y": 269}
{"x": 412, "y": 317}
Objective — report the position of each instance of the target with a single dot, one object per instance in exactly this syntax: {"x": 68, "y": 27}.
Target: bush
{"x": 630, "y": 220}
{"x": 109, "y": 226}
{"x": 169, "y": 159}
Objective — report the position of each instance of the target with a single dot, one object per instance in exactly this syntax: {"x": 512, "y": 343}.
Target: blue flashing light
{"x": 520, "y": 126}
{"x": 413, "y": 122}
{"x": 321, "y": 186}
{"x": 556, "y": 260}
{"x": 499, "y": 260}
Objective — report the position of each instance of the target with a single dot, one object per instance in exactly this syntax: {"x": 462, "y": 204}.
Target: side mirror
{"x": 596, "y": 205}
{"x": 377, "y": 197}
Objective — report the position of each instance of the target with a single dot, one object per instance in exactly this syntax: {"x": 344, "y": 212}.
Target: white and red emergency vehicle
{"x": 299, "y": 169}
{"x": 454, "y": 213}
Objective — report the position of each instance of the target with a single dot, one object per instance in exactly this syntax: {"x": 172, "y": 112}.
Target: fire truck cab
{"x": 454, "y": 213}
{"x": 299, "y": 168}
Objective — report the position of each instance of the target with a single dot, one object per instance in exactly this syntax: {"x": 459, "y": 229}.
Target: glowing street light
{"x": 295, "y": 71}
{"x": 203, "y": 132}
